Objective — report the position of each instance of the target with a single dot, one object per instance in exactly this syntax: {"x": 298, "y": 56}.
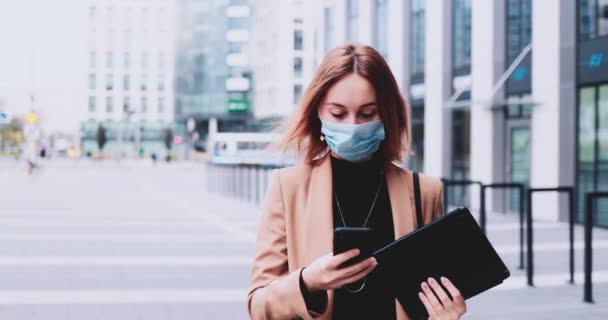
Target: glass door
{"x": 518, "y": 162}
{"x": 602, "y": 154}
{"x": 593, "y": 148}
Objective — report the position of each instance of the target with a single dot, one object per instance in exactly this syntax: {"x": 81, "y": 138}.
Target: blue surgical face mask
{"x": 353, "y": 142}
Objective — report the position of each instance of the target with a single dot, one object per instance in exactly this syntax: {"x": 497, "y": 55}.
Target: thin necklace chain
{"x": 369, "y": 214}
{"x": 364, "y": 224}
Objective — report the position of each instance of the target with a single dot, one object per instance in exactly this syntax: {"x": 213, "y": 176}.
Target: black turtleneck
{"x": 355, "y": 185}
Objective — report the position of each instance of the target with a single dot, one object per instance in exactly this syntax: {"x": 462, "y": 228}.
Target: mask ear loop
{"x": 322, "y": 137}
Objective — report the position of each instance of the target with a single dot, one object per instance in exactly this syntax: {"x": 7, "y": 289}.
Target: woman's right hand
{"x": 324, "y": 274}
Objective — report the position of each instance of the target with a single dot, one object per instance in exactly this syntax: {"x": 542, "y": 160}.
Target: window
{"x": 461, "y": 40}
{"x": 518, "y": 111}
{"x": 519, "y": 27}
{"x": 161, "y": 105}
{"x": 92, "y": 82}
{"x": 461, "y": 151}
{"x": 109, "y": 104}
{"x": 352, "y": 20}
{"x": 297, "y": 40}
{"x": 235, "y": 47}
{"x": 126, "y": 82}
{"x": 417, "y": 44}
{"x": 144, "y": 104}
{"x": 161, "y": 60}
{"x": 109, "y": 60}
{"x": 161, "y": 83}
{"x": 127, "y": 61}
{"x": 92, "y": 58}
{"x": 109, "y": 82}
{"x": 144, "y": 82}
{"x": 417, "y": 125}
{"x": 238, "y": 23}
{"x": 593, "y": 148}
{"x": 92, "y": 102}
{"x": 126, "y": 107}
{"x": 518, "y": 35}
{"x": 602, "y": 17}
{"x": 144, "y": 60}
{"x": 381, "y": 28}
{"x": 329, "y": 29}
{"x": 297, "y": 67}
{"x": 297, "y": 93}
{"x": 593, "y": 19}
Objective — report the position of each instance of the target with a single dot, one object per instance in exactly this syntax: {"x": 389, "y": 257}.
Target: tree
{"x": 168, "y": 138}
{"x": 12, "y": 134}
{"x": 168, "y": 142}
{"x": 101, "y": 137}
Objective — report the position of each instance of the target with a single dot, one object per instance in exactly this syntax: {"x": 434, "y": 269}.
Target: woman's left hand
{"x": 443, "y": 308}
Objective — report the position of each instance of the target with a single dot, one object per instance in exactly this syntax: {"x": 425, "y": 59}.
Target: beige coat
{"x": 297, "y": 228}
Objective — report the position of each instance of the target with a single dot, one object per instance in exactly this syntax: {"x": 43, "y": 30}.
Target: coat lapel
{"x": 401, "y": 203}
{"x": 398, "y": 182}
{"x": 320, "y": 221}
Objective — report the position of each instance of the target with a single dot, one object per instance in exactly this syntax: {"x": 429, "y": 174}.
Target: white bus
{"x": 246, "y": 148}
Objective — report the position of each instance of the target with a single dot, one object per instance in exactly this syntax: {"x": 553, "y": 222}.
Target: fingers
{"x": 455, "y": 293}
{"x": 343, "y": 257}
{"x": 443, "y": 297}
{"x": 355, "y": 269}
{"x": 427, "y": 305}
{"x": 431, "y": 297}
{"x": 358, "y": 276}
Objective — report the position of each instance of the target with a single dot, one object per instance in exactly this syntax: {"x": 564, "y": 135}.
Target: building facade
{"x": 130, "y": 76}
{"x": 284, "y": 45}
{"x": 213, "y": 73}
{"x": 499, "y": 91}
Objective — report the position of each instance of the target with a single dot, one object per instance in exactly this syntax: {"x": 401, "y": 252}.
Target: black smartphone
{"x": 353, "y": 238}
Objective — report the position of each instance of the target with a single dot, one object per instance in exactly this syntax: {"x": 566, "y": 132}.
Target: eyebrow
{"x": 369, "y": 104}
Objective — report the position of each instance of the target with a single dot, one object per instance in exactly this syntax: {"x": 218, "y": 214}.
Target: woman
{"x": 352, "y": 125}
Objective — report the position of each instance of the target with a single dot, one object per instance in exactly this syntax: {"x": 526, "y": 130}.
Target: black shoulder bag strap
{"x": 418, "y": 200}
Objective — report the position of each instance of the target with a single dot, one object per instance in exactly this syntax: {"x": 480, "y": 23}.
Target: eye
{"x": 338, "y": 115}
{"x": 367, "y": 115}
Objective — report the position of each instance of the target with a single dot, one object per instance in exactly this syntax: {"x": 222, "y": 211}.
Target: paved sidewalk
{"x": 132, "y": 241}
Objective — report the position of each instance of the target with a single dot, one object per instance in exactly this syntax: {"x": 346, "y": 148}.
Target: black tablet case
{"x": 452, "y": 246}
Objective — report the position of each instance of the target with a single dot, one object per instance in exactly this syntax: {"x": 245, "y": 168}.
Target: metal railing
{"x": 448, "y": 183}
{"x": 590, "y": 198}
{"x": 482, "y": 211}
{"x": 247, "y": 182}
{"x": 482, "y": 206}
{"x": 530, "y": 238}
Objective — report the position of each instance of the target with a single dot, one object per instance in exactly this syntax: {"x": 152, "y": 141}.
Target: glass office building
{"x": 210, "y": 50}
{"x": 544, "y": 124}
{"x": 592, "y": 106}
